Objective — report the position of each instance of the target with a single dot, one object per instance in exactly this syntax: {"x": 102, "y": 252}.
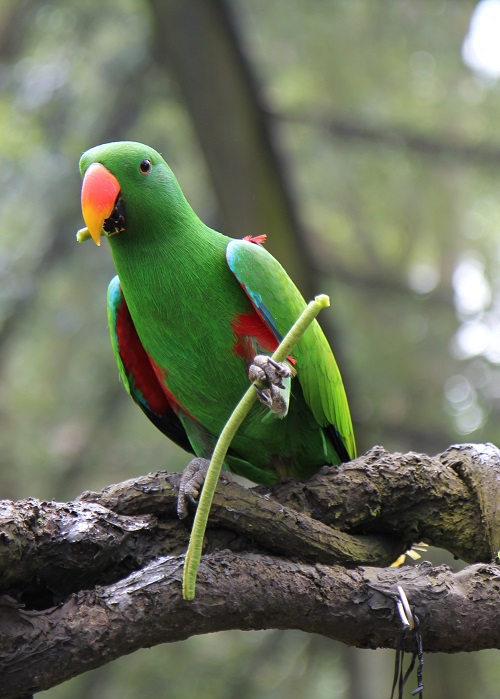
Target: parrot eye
{"x": 145, "y": 166}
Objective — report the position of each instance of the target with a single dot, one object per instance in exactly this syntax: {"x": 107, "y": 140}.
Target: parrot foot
{"x": 270, "y": 375}
{"x": 192, "y": 480}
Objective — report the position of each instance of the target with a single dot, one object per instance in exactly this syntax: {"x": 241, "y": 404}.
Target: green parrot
{"x": 193, "y": 311}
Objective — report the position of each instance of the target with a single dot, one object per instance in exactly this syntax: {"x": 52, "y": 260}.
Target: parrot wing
{"x": 136, "y": 369}
{"x": 279, "y": 303}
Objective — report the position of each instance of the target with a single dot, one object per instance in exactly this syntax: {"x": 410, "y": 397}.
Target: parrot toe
{"x": 192, "y": 480}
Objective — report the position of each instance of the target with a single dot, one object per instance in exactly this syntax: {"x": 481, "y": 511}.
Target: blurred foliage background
{"x": 363, "y": 138}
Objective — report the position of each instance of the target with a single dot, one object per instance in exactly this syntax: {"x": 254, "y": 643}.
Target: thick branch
{"x": 246, "y": 591}
{"x": 367, "y": 511}
{"x": 449, "y": 500}
{"x": 88, "y": 581}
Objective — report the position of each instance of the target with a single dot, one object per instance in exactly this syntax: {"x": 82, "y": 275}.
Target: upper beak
{"x": 100, "y": 190}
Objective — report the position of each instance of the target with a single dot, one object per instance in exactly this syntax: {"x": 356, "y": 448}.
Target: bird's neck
{"x": 170, "y": 269}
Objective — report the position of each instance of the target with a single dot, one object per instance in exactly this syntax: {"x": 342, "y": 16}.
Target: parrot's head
{"x": 123, "y": 183}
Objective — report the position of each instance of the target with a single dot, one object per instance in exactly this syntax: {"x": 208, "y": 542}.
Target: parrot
{"x": 194, "y": 315}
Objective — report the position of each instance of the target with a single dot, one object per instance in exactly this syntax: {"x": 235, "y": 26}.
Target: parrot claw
{"x": 192, "y": 480}
{"x": 269, "y": 375}
{"x": 264, "y": 396}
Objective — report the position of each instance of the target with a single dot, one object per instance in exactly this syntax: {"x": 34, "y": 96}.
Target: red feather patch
{"x": 257, "y": 239}
{"x": 161, "y": 375}
{"x": 251, "y": 333}
{"x": 253, "y": 336}
{"x": 138, "y": 364}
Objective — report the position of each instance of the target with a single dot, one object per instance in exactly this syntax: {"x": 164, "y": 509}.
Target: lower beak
{"x": 100, "y": 189}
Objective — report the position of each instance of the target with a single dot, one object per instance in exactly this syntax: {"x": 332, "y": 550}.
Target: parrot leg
{"x": 274, "y": 379}
{"x": 192, "y": 480}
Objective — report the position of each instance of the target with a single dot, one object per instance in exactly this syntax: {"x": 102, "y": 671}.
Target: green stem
{"x": 284, "y": 349}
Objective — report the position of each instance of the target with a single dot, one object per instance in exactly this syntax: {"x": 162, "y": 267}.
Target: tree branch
{"x": 244, "y": 591}
{"x": 88, "y": 581}
{"x": 400, "y": 137}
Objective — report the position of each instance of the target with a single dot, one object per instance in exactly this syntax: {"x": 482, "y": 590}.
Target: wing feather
{"x": 279, "y": 303}
{"x": 136, "y": 370}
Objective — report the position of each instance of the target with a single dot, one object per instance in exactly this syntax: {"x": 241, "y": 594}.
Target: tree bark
{"x": 88, "y": 581}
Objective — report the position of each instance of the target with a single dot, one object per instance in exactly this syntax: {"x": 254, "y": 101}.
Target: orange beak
{"x": 100, "y": 190}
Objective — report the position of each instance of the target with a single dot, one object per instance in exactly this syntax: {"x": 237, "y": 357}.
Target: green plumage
{"x": 193, "y": 301}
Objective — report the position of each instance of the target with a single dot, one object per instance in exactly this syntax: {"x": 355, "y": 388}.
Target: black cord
{"x": 401, "y": 677}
